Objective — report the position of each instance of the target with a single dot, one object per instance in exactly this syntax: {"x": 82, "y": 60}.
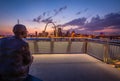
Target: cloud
{"x": 47, "y": 20}
{"x": 86, "y": 10}
{"x": 80, "y": 12}
{"x": 107, "y": 23}
{"x": 109, "y": 20}
{"x": 57, "y": 11}
{"x": 44, "y": 13}
{"x": 69, "y": 27}
{"x": 46, "y": 17}
{"x": 38, "y": 19}
{"x": 76, "y": 22}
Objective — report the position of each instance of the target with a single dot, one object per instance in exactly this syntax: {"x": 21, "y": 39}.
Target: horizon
{"x": 83, "y": 16}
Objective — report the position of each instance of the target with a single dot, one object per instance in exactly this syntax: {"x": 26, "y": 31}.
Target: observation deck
{"x": 65, "y": 59}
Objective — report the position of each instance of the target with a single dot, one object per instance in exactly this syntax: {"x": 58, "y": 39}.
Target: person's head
{"x": 20, "y": 31}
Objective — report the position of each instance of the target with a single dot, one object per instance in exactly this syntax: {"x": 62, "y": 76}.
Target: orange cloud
{"x": 109, "y": 30}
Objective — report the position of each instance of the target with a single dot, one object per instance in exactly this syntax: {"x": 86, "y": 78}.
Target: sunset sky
{"x": 83, "y": 16}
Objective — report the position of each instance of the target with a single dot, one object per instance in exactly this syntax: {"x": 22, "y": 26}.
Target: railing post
{"x": 69, "y": 46}
{"x": 52, "y": 45}
{"x": 85, "y": 46}
{"x": 106, "y": 57}
{"x": 36, "y": 49}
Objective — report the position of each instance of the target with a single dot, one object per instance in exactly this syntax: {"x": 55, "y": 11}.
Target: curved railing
{"x": 104, "y": 51}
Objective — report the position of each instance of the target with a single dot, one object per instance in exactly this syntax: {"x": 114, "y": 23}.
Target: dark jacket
{"x": 15, "y": 58}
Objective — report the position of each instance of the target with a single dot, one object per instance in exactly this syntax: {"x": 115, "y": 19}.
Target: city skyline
{"x": 85, "y": 16}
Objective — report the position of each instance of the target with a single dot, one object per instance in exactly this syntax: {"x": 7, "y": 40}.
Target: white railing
{"x": 102, "y": 50}
{"x": 56, "y": 45}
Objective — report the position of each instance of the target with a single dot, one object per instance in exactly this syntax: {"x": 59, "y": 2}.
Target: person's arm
{"x": 27, "y": 57}
{"x": 2, "y": 45}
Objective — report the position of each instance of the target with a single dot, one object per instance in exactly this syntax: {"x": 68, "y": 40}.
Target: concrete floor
{"x": 72, "y": 67}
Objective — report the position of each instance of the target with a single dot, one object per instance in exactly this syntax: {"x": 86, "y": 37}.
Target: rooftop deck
{"x": 72, "y": 67}
{"x": 65, "y": 59}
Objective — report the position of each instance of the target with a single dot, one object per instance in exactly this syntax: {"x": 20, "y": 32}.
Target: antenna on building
{"x": 18, "y": 21}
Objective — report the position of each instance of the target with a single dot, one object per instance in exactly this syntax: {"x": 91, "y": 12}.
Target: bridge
{"x": 74, "y": 60}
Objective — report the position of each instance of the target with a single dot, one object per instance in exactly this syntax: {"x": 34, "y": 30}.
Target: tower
{"x": 18, "y": 22}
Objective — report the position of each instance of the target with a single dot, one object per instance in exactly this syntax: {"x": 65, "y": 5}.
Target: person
{"x": 15, "y": 57}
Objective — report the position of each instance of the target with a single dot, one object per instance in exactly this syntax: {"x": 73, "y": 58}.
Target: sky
{"x": 83, "y": 16}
